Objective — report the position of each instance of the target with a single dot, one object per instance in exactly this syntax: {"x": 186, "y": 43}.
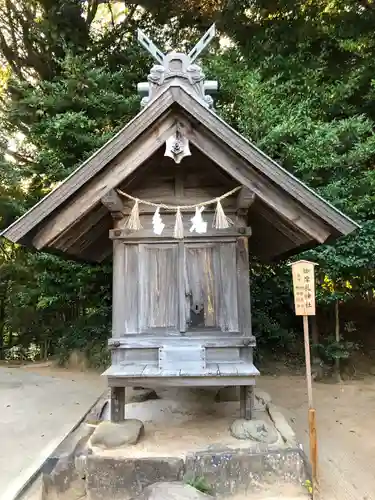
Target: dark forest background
{"x": 297, "y": 78}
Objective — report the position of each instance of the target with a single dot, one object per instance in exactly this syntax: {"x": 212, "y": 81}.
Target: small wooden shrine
{"x": 180, "y": 201}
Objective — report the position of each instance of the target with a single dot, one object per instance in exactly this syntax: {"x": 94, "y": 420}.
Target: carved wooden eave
{"x": 285, "y": 215}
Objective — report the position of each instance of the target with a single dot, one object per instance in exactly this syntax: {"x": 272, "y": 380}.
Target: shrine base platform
{"x": 188, "y": 439}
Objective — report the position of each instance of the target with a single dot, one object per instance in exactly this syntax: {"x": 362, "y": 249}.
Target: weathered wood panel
{"x": 135, "y": 356}
{"x": 246, "y": 354}
{"x": 223, "y": 371}
{"x": 188, "y": 358}
{"x": 217, "y": 339}
{"x": 222, "y": 354}
{"x": 158, "y": 287}
{"x": 207, "y": 380}
{"x": 148, "y": 234}
{"x": 201, "y": 297}
{"x": 226, "y": 268}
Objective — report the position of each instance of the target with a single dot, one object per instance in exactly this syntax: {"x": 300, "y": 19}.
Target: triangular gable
{"x": 21, "y": 230}
{"x": 279, "y": 191}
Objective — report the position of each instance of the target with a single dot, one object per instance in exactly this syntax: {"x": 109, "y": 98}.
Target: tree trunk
{"x": 317, "y": 364}
{"x": 314, "y": 330}
{"x": 337, "y": 338}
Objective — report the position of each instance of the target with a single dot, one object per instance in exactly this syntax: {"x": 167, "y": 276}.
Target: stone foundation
{"x": 184, "y": 441}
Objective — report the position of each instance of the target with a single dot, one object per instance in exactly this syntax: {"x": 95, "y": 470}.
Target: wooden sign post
{"x": 304, "y": 301}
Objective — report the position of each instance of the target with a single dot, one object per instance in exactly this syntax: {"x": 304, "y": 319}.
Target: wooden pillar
{"x": 118, "y": 289}
{"x": 243, "y": 286}
{"x": 247, "y": 401}
{"x": 117, "y": 404}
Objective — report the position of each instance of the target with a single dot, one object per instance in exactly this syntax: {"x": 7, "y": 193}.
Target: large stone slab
{"x": 119, "y": 479}
{"x": 233, "y": 472}
{"x": 64, "y": 480}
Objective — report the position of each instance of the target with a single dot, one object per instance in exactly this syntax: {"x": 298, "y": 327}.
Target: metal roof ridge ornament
{"x": 177, "y": 65}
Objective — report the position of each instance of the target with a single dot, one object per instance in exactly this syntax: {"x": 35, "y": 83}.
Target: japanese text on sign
{"x": 304, "y": 288}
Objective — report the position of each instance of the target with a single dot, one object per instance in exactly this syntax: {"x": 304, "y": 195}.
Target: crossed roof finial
{"x": 176, "y": 65}
{"x": 158, "y": 55}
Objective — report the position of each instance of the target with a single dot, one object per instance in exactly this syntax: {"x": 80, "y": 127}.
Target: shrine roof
{"x": 177, "y": 96}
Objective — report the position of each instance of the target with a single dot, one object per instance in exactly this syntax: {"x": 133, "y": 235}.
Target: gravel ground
{"x": 36, "y": 412}
{"x": 345, "y": 428}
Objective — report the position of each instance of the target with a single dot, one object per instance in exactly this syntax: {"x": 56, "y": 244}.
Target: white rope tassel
{"x": 157, "y": 222}
{"x": 134, "y": 222}
{"x": 179, "y": 226}
{"x": 221, "y": 221}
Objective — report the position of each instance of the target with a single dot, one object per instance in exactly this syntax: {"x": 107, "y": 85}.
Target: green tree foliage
{"x": 296, "y": 78}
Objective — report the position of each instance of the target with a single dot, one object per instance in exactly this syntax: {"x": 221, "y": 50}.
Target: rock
{"x": 110, "y": 435}
{"x": 171, "y": 491}
{"x": 282, "y": 426}
{"x": 262, "y": 399}
{"x": 256, "y": 430}
{"x": 138, "y": 395}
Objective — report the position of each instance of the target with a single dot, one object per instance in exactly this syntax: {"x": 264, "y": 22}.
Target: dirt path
{"x": 345, "y": 419}
{"x": 345, "y": 415}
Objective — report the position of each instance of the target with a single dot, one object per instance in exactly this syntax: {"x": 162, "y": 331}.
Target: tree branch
{"x": 111, "y": 12}
{"x": 92, "y": 10}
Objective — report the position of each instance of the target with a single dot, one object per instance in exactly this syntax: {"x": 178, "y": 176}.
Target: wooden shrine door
{"x": 210, "y": 287}
{"x": 188, "y": 288}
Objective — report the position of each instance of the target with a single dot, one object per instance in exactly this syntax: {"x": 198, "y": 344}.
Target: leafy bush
{"x": 200, "y": 483}
{"x": 19, "y": 353}
{"x": 331, "y": 350}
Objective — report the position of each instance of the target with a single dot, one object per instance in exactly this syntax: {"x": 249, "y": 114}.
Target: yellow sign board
{"x": 304, "y": 287}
